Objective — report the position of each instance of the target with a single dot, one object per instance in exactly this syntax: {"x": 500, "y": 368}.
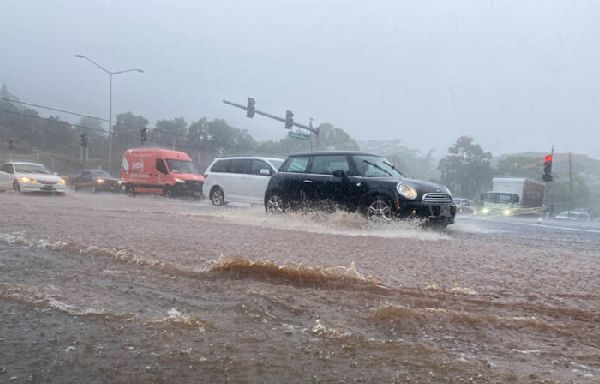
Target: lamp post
{"x": 110, "y": 75}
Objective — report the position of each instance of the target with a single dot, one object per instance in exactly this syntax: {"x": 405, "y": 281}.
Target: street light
{"x": 110, "y": 75}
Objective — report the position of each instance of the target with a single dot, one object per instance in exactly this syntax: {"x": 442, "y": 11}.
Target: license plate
{"x": 48, "y": 188}
{"x": 444, "y": 210}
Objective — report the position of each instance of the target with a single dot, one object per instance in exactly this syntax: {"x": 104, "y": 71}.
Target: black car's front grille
{"x": 437, "y": 198}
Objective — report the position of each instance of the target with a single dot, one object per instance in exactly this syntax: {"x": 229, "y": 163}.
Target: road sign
{"x": 299, "y": 136}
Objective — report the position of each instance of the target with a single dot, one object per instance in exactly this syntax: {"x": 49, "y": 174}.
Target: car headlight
{"x": 178, "y": 180}
{"x": 99, "y": 181}
{"x": 61, "y": 181}
{"x": 25, "y": 179}
{"x": 485, "y": 211}
{"x": 407, "y": 191}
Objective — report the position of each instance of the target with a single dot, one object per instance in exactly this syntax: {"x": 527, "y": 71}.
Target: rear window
{"x": 298, "y": 164}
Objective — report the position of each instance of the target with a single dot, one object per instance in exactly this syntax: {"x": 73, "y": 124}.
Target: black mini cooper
{"x": 359, "y": 182}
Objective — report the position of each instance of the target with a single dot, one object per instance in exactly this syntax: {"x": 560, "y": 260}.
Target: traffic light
{"x": 83, "y": 140}
{"x": 143, "y": 135}
{"x": 547, "y": 176}
{"x": 289, "y": 119}
{"x": 250, "y": 110}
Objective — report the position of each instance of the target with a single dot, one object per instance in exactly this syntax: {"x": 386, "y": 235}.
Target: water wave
{"x": 297, "y": 273}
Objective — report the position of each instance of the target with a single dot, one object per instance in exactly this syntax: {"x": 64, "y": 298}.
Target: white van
{"x": 239, "y": 179}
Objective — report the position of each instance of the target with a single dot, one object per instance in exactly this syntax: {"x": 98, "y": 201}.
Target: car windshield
{"x": 181, "y": 166}
{"x": 32, "y": 168}
{"x": 100, "y": 173}
{"x": 500, "y": 198}
{"x": 374, "y": 166}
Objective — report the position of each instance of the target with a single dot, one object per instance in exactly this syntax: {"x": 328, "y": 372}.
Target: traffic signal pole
{"x": 287, "y": 120}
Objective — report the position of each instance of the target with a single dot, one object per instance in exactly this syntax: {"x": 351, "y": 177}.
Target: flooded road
{"x": 105, "y": 288}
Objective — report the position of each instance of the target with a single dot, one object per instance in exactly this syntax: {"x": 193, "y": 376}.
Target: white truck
{"x": 513, "y": 196}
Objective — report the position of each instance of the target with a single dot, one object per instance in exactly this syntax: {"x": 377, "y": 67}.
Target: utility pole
{"x": 571, "y": 177}
{"x": 110, "y": 75}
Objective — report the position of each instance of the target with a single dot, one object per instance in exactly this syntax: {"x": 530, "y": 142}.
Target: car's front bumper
{"x": 188, "y": 188}
{"x": 419, "y": 209}
{"x": 45, "y": 188}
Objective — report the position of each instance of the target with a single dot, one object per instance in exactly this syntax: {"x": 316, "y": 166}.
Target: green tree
{"x": 170, "y": 133}
{"x": 466, "y": 169}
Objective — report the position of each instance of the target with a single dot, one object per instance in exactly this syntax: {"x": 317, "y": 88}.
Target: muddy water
{"x": 152, "y": 290}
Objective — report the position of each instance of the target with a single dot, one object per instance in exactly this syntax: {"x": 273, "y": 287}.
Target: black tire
{"x": 16, "y": 187}
{"x": 217, "y": 196}
{"x": 275, "y": 204}
{"x": 168, "y": 193}
{"x": 379, "y": 209}
{"x": 130, "y": 191}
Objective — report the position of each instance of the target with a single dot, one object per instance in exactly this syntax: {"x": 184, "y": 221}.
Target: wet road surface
{"x": 105, "y": 288}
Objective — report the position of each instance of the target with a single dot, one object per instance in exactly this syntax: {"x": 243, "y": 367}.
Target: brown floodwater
{"x": 105, "y": 288}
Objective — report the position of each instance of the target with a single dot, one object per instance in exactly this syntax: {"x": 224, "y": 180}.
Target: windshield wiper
{"x": 377, "y": 166}
{"x": 394, "y": 168}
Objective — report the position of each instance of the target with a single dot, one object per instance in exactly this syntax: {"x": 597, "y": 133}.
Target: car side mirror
{"x": 340, "y": 173}
{"x": 265, "y": 172}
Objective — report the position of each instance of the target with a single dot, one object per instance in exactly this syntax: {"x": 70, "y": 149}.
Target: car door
{"x": 260, "y": 173}
{"x": 238, "y": 180}
{"x": 327, "y": 187}
{"x": 298, "y": 182}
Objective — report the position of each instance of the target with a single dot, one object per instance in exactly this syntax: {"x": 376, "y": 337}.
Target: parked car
{"x": 160, "y": 171}
{"x": 356, "y": 181}
{"x": 242, "y": 179}
{"x": 464, "y": 206}
{"x": 94, "y": 180}
{"x": 30, "y": 177}
{"x": 574, "y": 215}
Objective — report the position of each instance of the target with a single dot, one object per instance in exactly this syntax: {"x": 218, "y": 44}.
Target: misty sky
{"x": 516, "y": 75}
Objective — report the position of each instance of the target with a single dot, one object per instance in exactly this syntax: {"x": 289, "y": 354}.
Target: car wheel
{"x": 275, "y": 204}
{"x": 130, "y": 191}
{"x": 217, "y": 196}
{"x": 16, "y": 187}
{"x": 379, "y": 210}
{"x": 168, "y": 193}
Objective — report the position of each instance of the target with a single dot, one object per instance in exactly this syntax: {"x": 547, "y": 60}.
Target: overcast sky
{"x": 516, "y": 75}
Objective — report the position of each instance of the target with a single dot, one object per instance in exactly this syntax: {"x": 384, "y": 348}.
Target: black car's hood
{"x": 421, "y": 186}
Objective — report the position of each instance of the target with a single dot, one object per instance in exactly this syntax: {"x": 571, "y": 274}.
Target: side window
{"x": 325, "y": 165}
{"x": 161, "y": 167}
{"x": 297, "y": 164}
{"x": 240, "y": 166}
{"x": 257, "y": 165}
{"x": 221, "y": 166}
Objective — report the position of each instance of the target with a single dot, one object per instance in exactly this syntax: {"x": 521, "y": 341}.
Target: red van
{"x": 160, "y": 171}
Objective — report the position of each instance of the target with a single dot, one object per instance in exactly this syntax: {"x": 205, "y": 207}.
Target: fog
{"x": 516, "y": 76}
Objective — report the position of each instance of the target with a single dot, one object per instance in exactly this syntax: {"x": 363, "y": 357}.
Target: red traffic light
{"x": 548, "y": 158}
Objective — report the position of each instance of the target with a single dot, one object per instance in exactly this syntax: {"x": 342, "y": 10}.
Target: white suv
{"x": 242, "y": 179}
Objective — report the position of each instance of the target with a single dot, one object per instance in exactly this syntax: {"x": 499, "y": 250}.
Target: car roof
{"x": 334, "y": 153}
{"x": 248, "y": 157}
{"x": 23, "y": 163}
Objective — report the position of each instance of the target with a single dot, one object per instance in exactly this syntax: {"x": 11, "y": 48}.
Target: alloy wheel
{"x": 379, "y": 210}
